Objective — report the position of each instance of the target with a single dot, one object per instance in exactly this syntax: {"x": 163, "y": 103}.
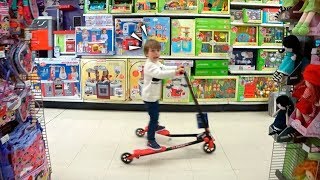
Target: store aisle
{"x": 87, "y": 145}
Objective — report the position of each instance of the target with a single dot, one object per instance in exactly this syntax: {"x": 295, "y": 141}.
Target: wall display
{"x": 243, "y": 59}
{"x": 96, "y": 6}
{"x": 59, "y": 77}
{"x": 135, "y": 82}
{"x": 244, "y": 35}
{"x": 178, "y": 6}
{"x": 183, "y": 37}
{"x": 103, "y": 79}
{"x": 270, "y": 36}
{"x": 146, "y": 6}
{"x": 214, "y": 7}
{"x": 95, "y": 40}
{"x": 269, "y": 59}
{"x": 256, "y": 88}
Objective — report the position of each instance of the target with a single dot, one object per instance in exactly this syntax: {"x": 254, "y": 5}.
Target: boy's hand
{"x": 180, "y": 71}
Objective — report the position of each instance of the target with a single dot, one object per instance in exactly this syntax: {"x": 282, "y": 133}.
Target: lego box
{"x": 103, "y": 79}
{"x": 135, "y": 73}
{"x": 182, "y": 37}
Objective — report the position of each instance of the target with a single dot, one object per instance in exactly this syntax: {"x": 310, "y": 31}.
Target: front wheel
{"x": 140, "y": 132}
{"x": 207, "y": 149}
{"x": 126, "y": 158}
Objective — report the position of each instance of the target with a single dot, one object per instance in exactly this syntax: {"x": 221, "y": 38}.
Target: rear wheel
{"x": 207, "y": 149}
{"x": 140, "y": 132}
{"x": 126, "y": 158}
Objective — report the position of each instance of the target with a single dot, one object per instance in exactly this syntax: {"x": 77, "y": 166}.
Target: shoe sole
{"x": 154, "y": 148}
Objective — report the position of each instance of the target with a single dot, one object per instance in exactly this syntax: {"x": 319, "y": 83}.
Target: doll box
{"x": 135, "y": 76}
{"x": 104, "y": 80}
{"x": 98, "y": 20}
{"x": 244, "y": 35}
{"x": 214, "y": 7}
{"x": 236, "y": 15}
{"x": 146, "y": 6}
{"x": 124, "y": 27}
{"x": 243, "y": 59}
{"x": 252, "y": 16}
{"x": 175, "y": 6}
{"x": 215, "y": 88}
{"x": 310, "y": 131}
{"x": 94, "y": 40}
{"x": 269, "y": 16}
{"x": 59, "y": 77}
{"x": 256, "y": 87}
{"x": 269, "y": 59}
{"x": 158, "y": 28}
{"x": 96, "y": 6}
{"x": 208, "y": 64}
{"x": 182, "y": 37}
{"x": 211, "y": 72}
{"x": 270, "y": 36}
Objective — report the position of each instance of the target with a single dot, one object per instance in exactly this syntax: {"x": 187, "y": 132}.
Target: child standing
{"x": 154, "y": 71}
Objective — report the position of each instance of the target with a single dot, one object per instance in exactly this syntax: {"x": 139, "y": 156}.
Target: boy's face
{"x": 153, "y": 54}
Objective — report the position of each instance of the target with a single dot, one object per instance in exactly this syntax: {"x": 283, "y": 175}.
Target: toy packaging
{"x": 256, "y": 87}
{"x": 158, "y": 28}
{"x": 121, "y": 6}
{"x": 211, "y": 68}
{"x": 212, "y": 37}
{"x": 270, "y": 36}
{"x": 252, "y": 16}
{"x": 146, "y": 6}
{"x": 214, "y": 7}
{"x": 94, "y": 40}
{"x": 269, "y": 59}
{"x": 218, "y": 88}
{"x": 64, "y": 42}
{"x": 123, "y": 30}
{"x": 178, "y": 6}
{"x": 98, "y": 20}
{"x": 96, "y": 6}
{"x": 270, "y": 15}
{"x": 103, "y": 79}
{"x": 244, "y": 35}
{"x": 135, "y": 83}
{"x": 59, "y": 77}
{"x": 236, "y": 15}
{"x": 182, "y": 37}
{"x": 243, "y": 59}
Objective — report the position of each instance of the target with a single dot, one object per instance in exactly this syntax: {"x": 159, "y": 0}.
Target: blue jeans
{"x": 153, "y": 111}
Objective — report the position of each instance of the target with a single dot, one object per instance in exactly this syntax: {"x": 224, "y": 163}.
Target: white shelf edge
{"x": 162, "y": 57}
{"x": 257, "y": 47}
{"x": 182, "y": 14}
{"x": 61, "y": 99}
{"x": 248, "y": 102}
{"x": 258, "y": 24}
{"x": 250, "y": 72}
{"x": 254, "y": 4}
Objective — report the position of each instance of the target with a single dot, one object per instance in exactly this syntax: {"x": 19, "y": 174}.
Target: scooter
{"x": 206, "y": 137}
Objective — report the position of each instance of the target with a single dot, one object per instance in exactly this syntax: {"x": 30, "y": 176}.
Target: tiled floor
{"x": 87, "y": 145}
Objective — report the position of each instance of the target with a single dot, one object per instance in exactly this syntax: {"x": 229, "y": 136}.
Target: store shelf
{"x": 162, "y": 57}
{"x": 258, "y": 47}
{"x": 171, "y": 15}
{"x": 258, "y": 24}
{"x": 311, "y": 149}
{"x": 61, "y": 99}
{"x": 250, "y": 72}
{"x": 248, "y": 103}
{"x": 254, "y": 4}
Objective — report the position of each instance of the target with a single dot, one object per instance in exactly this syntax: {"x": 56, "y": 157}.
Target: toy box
{"x": 146, "y": 6}
{"x": 59, "y": 77}
{"x": 256, "y": 88}
{"x": 271, "y": 1}
{"x": 96, "y": 6}
{"x": 121, "y": 6}
{"x": 243, "y": 59}
{"x": 211, "y": 64}
{"x": 178, "y": 6}
{"x": 176, "y": 89}
{"x": 269, "y": 59}
{"x": 214, "y": 7}
{"x": 252, "y": 16}
{"x": 64, "y": 42}
{"x": 158, "y": 28}
{"x": 211, "y": 72}
{"x": 212, "y": 37}
{"x": 123, "y": 30}
{"x": 218, "y": 88}
{"x": 98, "y": 20}
{"x": 269, "y": 15}
{"x": 94, "y": 40}
{"x": 244, "y": 35}
{"x": 103, "y": 79}
{"x": 236, "y": 15}
{"x": 182, "y": 37}
{"x": 135, "y": 83}
{"x": 270, "y": 36}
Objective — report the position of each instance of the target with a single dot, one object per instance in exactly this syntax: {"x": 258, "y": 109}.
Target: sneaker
{"x": 159, "y": 128}
{"x": 154, "y": 145}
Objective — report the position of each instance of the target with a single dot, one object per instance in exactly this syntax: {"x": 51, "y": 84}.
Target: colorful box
{"x": 176, "y": 89}
{"x": 146, "y": 6}
{"x": 103, "y": 79}
{"x": 123, "y": 39}
{"x": 212, "y": 37}
{"x": 64, "y": 42}
{"x": 178, "y": 6}
{"x": 270, "y": 36}
{"x": 236, "y": 15}
{"x": 59, "y": 77}
{"x": 94, "y": 40}
{"x": 205, "y": 64}
{"x": 256, "y": 88}
{"x": 211, "y": 72}
{"x": 252, "y": 16}
{"x": 214, "y": 7}
{"x": 182, "y": 37}
{"x": 135, "y": 75}
{"x": 218, "y": 88}
{"x": 96, "y": 6}
{"x": 98, "y": 20}
{"x": 244, "y": 35}
{"x": 269, "y": 16}
{"x": 269, "y": 59}
{"x": 121, "y": 6}
{"x": 243, "y": 59}
{"x": 158, "y": 28}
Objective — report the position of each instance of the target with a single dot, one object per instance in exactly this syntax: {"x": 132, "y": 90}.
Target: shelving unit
{"x": 245, "y": 4}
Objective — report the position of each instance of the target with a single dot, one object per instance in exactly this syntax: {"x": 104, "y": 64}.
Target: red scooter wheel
{"x": 126, "y": 158}
{"x": 207, "y": 149}
{"x": 140, "y": 132}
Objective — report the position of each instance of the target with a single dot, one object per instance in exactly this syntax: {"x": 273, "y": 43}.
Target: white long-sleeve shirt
{"x": 154, "y": 72}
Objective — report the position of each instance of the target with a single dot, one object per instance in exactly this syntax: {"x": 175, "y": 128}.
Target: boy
{"x": 154, "y": 71}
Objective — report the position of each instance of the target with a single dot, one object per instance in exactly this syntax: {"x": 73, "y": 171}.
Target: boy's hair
{"x": 151, "y": 44}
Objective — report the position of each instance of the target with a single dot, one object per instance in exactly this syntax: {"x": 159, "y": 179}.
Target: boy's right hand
{"x": 180, "y": 71}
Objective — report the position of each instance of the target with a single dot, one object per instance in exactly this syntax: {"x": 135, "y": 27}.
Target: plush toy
{"x": 286, "y": 107}
{"x": 308, "y": 95}
{"x": 291, "y": 59}
{"x": 307, "y": 170}
{"x": 309, "y": 9}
